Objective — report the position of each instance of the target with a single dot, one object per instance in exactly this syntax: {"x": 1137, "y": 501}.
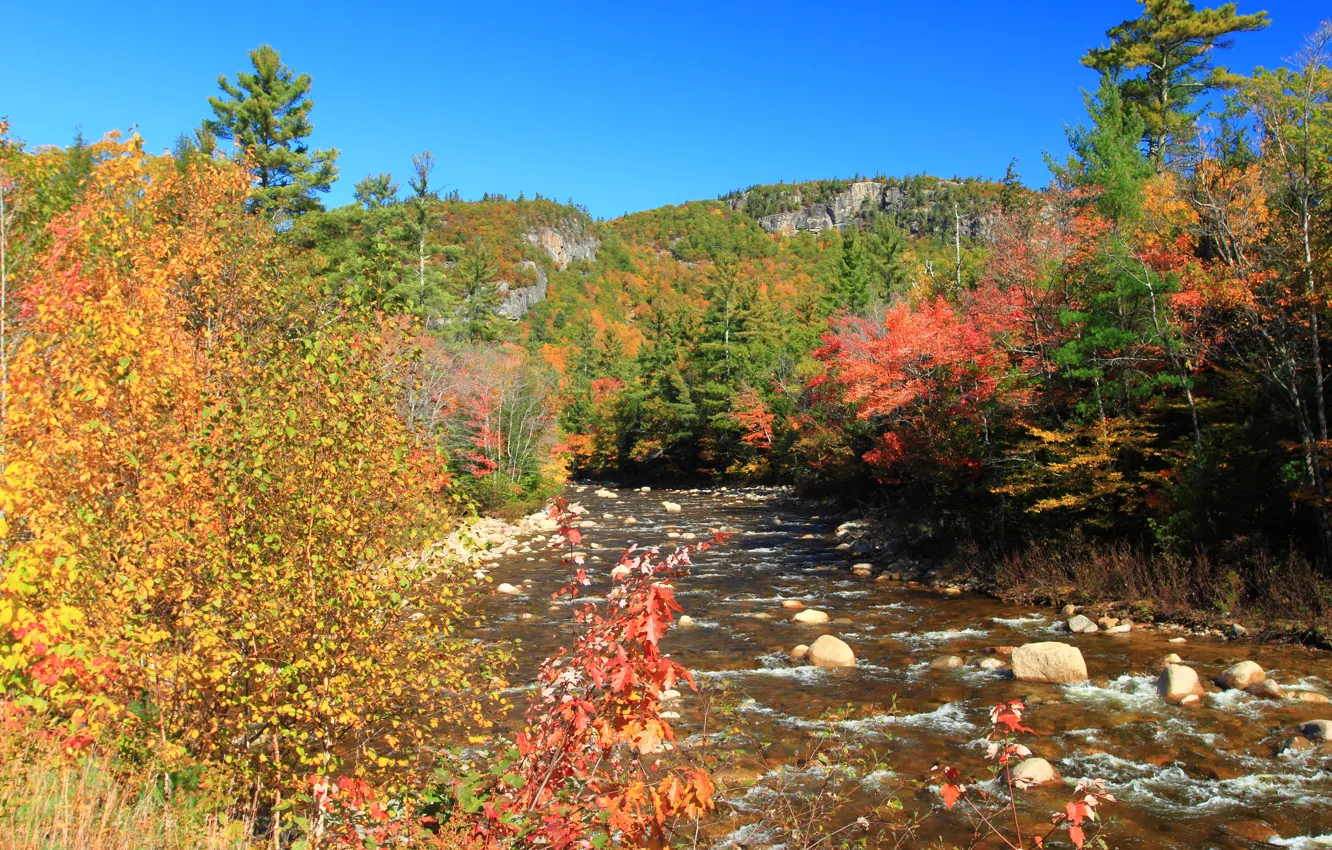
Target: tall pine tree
{"x": 1162, "y": 63}
{"x": 267, "y": 114}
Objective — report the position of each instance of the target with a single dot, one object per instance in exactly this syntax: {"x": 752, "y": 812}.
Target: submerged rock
{"x": 1177, "y": 683}
{"x": 1266, "y": 689}
{"x": 1034, "y": 771}
{"x": 946, "y": 662}
{"x": 1049, "y": 661}
{"x": 1240, "y": 676}
{"x": 829, "y": 651}
{"x": 1080, "y": 624}
{"x": 810, "y": 617}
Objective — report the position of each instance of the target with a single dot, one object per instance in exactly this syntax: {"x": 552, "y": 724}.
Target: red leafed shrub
{"x": 991, "y": 815}
{"x": 587, "y": 758}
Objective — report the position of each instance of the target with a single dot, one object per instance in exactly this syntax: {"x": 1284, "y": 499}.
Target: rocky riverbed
{"x": 1207, "y": 740}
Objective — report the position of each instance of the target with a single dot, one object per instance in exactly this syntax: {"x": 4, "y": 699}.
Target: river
{"x": 1206, "y": 775}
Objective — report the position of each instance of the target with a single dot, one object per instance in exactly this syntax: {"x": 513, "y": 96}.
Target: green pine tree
{"x": 1107, "y": 154}
{"x": 1162, "y": 62}
{"x": 887, "y": 246}
{"x": 853, "y": 287}
{"x": 267, "y": 114}
{"x": 477, "y": 295}
{"x": 376, "y": 191}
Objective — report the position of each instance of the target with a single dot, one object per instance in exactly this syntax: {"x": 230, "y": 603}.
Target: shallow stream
{"x": 1206, "y": 775}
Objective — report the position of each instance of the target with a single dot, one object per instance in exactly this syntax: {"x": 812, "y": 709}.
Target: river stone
{"x": 1107, "y": 622}
{"x": 1178, "y": 682}
{"x": 829, "y": 651}
{"x": 793, "y": 604}
{"x": 605, "y": 494}
{"x": 798, "y": 653}
{"x": 686, "y": 620}
{"x": 645, "y": 489}
{"x": 1119, "y": 629}
{"x": 810, "y": 617}
{"x": 671, "y": 507}
{"x": 1314, "y": 730}
{"x": 987, "y": 663}
{"x": 946, "y": 662}
{"x": 1034, "y": 771}
{"x": 1240, "y": 676}
{"x": 1295, "y": 746}
{"x": 1266, "y": 689}
{"x": 507, "y": 589}
{"x": 1080, "y": 624}
{"x": 1250, "y": 831}
{"x": 1172, "y": 658}
{"x": 670, "y": 694}
{"x": 1068, "y": 611}
{"x": 1310, "y": 697}
{"x": 1049, "y": 661}
{"x": 862, "y": 569}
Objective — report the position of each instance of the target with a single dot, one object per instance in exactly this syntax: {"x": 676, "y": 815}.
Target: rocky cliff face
{"x": 567, "y": 242}
{"x": 518, "y": 300}
{"x": 858, "y": 201}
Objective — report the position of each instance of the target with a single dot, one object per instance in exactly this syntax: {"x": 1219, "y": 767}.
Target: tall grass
{"x": 52, "y": 801}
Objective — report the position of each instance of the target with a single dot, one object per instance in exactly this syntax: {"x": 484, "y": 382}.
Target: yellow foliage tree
{"x": 218, "y": 526}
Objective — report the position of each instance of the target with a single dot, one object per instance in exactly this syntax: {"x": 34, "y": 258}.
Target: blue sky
{"x": 619, "y": 106}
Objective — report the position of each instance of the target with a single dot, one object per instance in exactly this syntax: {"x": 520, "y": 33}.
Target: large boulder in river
{"x": 1241, "y": 676}
{"x": 1179, "y": 684}
{"x": 829, "y": 651}
{"x": 1034, "y": 771}
{"x": 811, "y": 617}
{"x": 1049, "y": 661}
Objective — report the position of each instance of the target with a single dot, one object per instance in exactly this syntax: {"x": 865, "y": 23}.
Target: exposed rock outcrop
{"x": 517, "y": 300}
{"x": 567, "y": 242}
{"x": 842, "y": 208}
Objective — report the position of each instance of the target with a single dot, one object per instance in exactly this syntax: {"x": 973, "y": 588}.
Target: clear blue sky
{"x": 620, "y": 106}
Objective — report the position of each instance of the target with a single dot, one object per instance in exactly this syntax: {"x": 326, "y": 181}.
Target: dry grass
{"x": 49, "y": 801}
{"x": 1244, "y": 580}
